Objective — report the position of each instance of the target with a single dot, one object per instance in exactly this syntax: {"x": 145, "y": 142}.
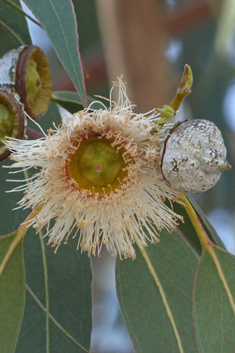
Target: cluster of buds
{"x": 25, "y": 88}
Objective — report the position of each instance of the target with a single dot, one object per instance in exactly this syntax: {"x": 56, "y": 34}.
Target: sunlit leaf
{"x": 12, "y": 291}
{"x": 58, "y": 19}
{"x": 214, "y": 301}
{"x": 154, "y": 293}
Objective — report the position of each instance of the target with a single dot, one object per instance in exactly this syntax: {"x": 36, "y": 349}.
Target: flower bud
{"x": 12, "y": 120}
{"x": 193, "y": 156}
{"x": 26, "y": 71}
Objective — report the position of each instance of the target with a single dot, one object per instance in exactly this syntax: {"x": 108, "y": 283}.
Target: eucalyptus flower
{"x": 98, "y": 178}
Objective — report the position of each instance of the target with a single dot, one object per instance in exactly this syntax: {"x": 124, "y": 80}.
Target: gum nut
{"x": 33, "y": 81}
{"x": 194, "y": 156}
{"x": 12, "y": 121}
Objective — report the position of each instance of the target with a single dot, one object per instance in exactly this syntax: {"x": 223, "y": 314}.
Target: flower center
{"x": 97, "y": 166}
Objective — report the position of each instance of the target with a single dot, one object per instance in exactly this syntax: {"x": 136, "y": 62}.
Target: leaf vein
{"x": 54, "y": 320}
{"x": 164, "y": 299}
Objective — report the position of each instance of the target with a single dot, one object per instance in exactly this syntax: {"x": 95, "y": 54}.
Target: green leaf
{"x": 187, "y": 230}
{"x": 9, "y": 39}
{"x": 210, "y": 230}
{"x": 154, "y": 293}
{"x": 58, "y": 284}
{"x": 69, "y": 100}
{"x": 10, "y": 220}
{"x": 58, "y": 19}
{"x": 88, "y": 26}
{"x": 12, "y": 291}
{"x": 214, "y": 301}
{"x": 13, "y": 26}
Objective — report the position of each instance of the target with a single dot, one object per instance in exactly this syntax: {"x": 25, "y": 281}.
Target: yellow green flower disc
{"x": 97, "y": 166}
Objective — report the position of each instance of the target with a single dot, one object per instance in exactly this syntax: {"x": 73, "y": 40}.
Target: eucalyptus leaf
{"x": 88, "y": 26}
{"x": 214, "y": 301}
{"x": 211, "y": 232}
{"x": 10, "y": 220}
{"x": 9, "y": 39}
{"x": 154, "y": 293}
{"x": 58, "y": 19}
{"x": 187, "y": 230}
{"x": 12, "y": 291}
{"x": 57, "y": 314}
{"x": 13, "y": 26}
{"x": 69, "y": 100}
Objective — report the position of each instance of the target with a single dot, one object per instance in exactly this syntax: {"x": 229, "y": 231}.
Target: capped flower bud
{"x": 12, "y": 121}
{"x": 193, "y": 155}
{"x": 26, "y": 71}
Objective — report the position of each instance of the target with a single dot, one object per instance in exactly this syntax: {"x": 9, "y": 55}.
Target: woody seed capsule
{"x": 26, "y": 71}
{"x": 12, "y": 121}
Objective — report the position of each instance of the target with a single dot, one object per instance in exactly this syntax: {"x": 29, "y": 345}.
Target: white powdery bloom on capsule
{"x": 99, "y": 180}
{"x": 193, "y": 155}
